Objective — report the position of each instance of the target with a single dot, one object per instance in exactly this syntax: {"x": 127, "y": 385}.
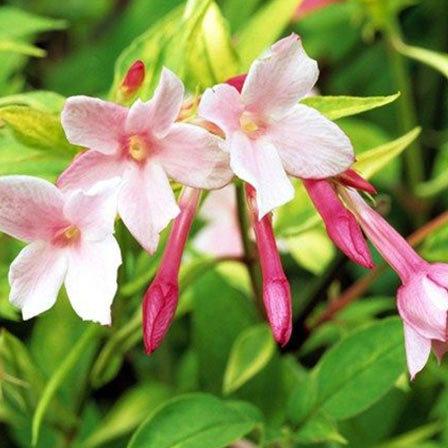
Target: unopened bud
{"x": 133, "y": 79}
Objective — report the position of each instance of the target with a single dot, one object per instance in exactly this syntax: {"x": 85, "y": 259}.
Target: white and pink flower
{"x": 144, "y": 146}
{"x": 70, "y": 241}
{"x": 268, "y": 134}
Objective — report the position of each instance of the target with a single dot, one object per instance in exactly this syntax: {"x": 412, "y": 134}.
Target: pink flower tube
{"x": 160, "y": 300}
{"x": 276, "y": 290}
{"x": 423, "y": 296}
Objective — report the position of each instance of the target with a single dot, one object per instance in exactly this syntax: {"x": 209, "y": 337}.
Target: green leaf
{"x": 438, "y": 61}
{"x": 10, "y": 46}
{"x": 193, "y": 421}
{"x": 58, "y": 378}
{"x": 372, "y": 161}
{"x": 263, "y": 29}
{"x": 128, "y": 412}
{"x": 38, "y": 99}
{"x": 334, "y": 107}
{"x": 318, "y": 430}
{"x": 36, "y": 128}
{"x": 250, "y": 353}
{"x": 359, "y": 370}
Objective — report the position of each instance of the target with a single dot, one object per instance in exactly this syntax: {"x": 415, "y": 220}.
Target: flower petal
{"x": 94, "y": 211}
{"x": 91, "y": 280}
{"x": 158, "y": 114}
{"x": 439, "y": 348}
{"x": 90, "y": 168}
{"x": 418, "y": 349}
{"x": 36, "y": 276}
{"x": 192, "y": 156}
{"x": 257, "y": 162}
{"x": 94, "y": 123}
{"x": 222, "y": 106}
{"x": 146, "y": 203}
{"x": 30, "y": 208}
{"x": 278, "y": 79}
{"x": 423, "y": 305}
{"x": 310, "y": 145}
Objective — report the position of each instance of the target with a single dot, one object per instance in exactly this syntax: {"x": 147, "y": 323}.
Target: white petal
{"x": 158, "y": 114}
{"x": 89, "y": 168}
{"x": 91, "y": 280}
{"x": 310, "y": 145}
{"x": 222, "y": 106}
{"x": 277, "y": 80}
{"x": 94, "y": 123}
{"x": 146, "y": 203}
{"x": 192, "y": 156}
{"x": 36, "y": 276}
{"x": 257, "y": 162}
{"x": 418, "y": 349}
{"x": 93, "y": 212}
{"x": 30, "y": 208}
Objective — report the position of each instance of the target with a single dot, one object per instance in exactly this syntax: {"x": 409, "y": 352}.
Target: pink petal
{"x": 36, "y": 276}
{"x": 30, "y": 208}
{"x": 276, "y": 289}
{"x": 192, "y": 156}
{"x": 90, "y": 168}
{"x": 341, "y": 225}
{"x": 418, "y": 349}
{"x": 222, "y": 106}
{"x": 424, "y": 305}
{"x": 439, "y": 348}
{"x": 278, "y": 79}
{"x": 93, "y": 212}
{"x": 438, "y": 272}
{"x": 146, "y": 203}
{"x": 158, "y": 114}
{"x": 93, "y": 123}
{"x": 310, "y": 145}
{"x": 91, "y": 280}
{"x": 258, "y": 163}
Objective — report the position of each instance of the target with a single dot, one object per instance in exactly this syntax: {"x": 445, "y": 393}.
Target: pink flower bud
{"x": 160, "y": 300}
{"x": 308, "y": 6}
{"x": 351, "y": 178}
{"x": 276, "y": 290}
{"x": 134, "y": 78}
{"x": 237, "y": 82}
{"x": 340, "y": 223}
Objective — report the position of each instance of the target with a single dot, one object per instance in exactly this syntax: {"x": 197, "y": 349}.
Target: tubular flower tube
{"x": 144, "y": 146}
{"x": 268, "y": 135}
{"x": 161, "y": 298}
{"x": 134, "y": 79}
{"x": 341, "y": 225}
{"x": 70, "y": 240}
{"x": 276, "y": 289}
{"x": 422, "y": 298}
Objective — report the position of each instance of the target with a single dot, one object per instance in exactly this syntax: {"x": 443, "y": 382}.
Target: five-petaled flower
{"x": 268, "y": 134}
{"x": 422, "y": 298}
{"x": 70, "y": 240}
{"x": 144, "y": 146}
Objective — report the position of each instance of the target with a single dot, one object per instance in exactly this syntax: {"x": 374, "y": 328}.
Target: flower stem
{"x": 407, "y": 112}
{"x": 250, "y": 258}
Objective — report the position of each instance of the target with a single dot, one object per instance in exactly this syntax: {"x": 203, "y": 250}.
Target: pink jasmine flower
{"x": 276, "y": 289}
{"x": 134, "y": 79}
{"x": 268, "y": 134}
{"x": 423, "y": 296}
{"x": 144, "y": 146}
{"x": 308, "y": 6}
{"x": 161, "y": 298}
{"x": 70, "y": 240}
{"x": 221, "y": 236}
{"x": 340, "y": 223}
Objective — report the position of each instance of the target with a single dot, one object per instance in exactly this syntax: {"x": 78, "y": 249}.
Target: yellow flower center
{"x": 71, "y": 233}
{"x": 138, "y": 148}
{"x": 67, "y": 236}
{"x": 248, "y": 124}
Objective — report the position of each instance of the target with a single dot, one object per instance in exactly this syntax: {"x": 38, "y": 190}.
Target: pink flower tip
{"x": 277, "y": 301}
{"x": 237, "y": 82}
{"x": 134, "y": 78}
{"x": 351, "y": 178}
{"x": 159, "y": 307}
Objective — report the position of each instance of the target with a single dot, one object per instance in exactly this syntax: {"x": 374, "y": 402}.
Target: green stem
{"x": 407, "y": 112}
{"x": 250, "y": 258}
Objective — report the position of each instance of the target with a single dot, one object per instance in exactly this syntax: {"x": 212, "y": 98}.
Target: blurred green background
{"x": 219, "y": 380}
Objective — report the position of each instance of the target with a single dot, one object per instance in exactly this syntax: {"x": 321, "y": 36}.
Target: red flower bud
{"x": 237, "y": 82}
{"x": 134, "y": 78}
